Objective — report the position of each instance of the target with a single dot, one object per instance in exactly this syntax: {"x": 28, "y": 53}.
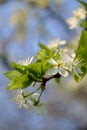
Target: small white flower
{"x": 21, "y": 101}
{"x": 67, "y": 56}
{"x": 56, "y": 68}
{"x": 64, "y": 64}
{"x": 55, "y": 43}
{"x": 26, "y": 61}
{"x": 73, "y": 22}
{"x": 79, "y": 13}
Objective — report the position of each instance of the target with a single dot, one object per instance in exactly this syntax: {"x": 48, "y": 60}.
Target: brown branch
{"x": 46, "y": 79}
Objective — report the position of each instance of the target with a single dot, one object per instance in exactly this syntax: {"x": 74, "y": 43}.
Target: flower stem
{"x": 31, "y": 93}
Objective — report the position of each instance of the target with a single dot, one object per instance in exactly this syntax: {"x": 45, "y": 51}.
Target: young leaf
{"x": 35, "y": 71}
{"x": 20, "y": 82}
{"x": 42, "y": 46}
{"x": 12, "y": 74}
{"x": 84, "y": 24}
{"x": 81, "y": 53}
{"x": 21, "y": 68}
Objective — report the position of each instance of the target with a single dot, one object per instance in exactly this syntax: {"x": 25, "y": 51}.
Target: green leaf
{"x": 44, "y": 66}
{"x": 12, "y": 74}
{"x": 35, "y": 71}
{"x": 83, "y": 3}
{"x": 41, "y": 54}
{"x": 20, "y": 82}
{"x": 42, "y": 46}
{"x": 81, "y": 51}
{"x": 21, "y": 68}
{"x": 81, "y": 54}
{"x": 84, "y": 24}
{"x": 44, "y": 54}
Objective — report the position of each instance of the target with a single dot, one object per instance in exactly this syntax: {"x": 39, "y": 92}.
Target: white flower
{"x": 63, "y": 64}
{"x": 56, "y": 68}
{"x": 21, "y": 101}
{"x": 28, "y": 101}
{"x": 26, "y": 61}
{"x": 55, "y": 43}
{"x": 67, "y": 55}
{"x": 73, "y": 22}
{"x": 78, "y": 14}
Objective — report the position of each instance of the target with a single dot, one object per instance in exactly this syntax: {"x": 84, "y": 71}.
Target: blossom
{"x": 26, "y": 61}
{"x": 55, "y": 43}
{"x": 78, "y": 14}
{"x": 23, "y": 98}
{"x": 73, "y": 22}
{"x": 56, "y": 68}
{"x": 62, "y": 65}
{"x": 21, "y": 101}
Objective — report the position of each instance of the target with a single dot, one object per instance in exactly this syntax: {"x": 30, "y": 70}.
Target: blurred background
{"x": 23, "y": 23}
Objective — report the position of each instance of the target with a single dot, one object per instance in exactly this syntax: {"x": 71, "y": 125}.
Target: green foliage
{"x": 83, "y": 3}
{"x": 21, "y": 68}
{"x": 81, "y": 53}
{"x": 35, "y": 71}
{"x": 3, "y": 1}
{"x": 12, "y": 74}
{"x": 84, "y": 24}
{"x": 44, "y": 53}
{"x": 20, "y": 82}
{"x": 82, "y": 48}
{"x": 50, "y": 62}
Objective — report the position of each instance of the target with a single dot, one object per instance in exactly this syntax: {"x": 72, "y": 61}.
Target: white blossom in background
{"x": 73, "y": 22}
{"x": 78, "y": 14}
{"x": 54, "y": 44}
{"x": 26, "y": 61}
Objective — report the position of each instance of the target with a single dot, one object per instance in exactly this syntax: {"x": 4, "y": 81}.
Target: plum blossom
{"x": 78, "y": 14}
{"x": 55, "y": 43}
{"x": 26, "y": 61}
{"x": 28, "y": 101}
{"x": 63, "y": 65}
{"x": 21, "y": 101}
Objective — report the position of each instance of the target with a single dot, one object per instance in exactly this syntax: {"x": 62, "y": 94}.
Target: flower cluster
{"x": 52, "y": 61}
{"x": 63, "y": 64}
{"x": 24, "y": 98}
{"x": 78, "y": 14}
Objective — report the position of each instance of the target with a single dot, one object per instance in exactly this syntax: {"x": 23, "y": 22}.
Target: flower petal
{"x": 53, "y": 62}
{"x": 65, "y": 57}
{"x": 63, "y": 72}
{"x": 52, "y": 71}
